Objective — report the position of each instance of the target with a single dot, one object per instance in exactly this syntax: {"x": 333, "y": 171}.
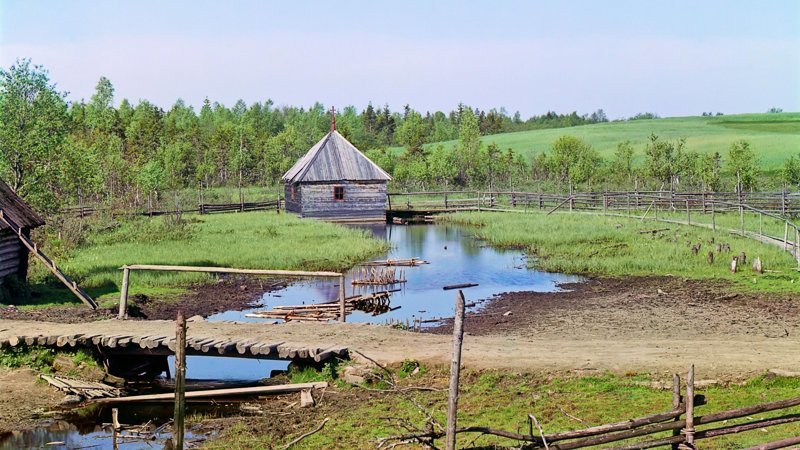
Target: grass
{"x": 503, "y": 399}
{"x": 774, "y": 137}
{"x": 613, "y": 246}
{"x": 259, "y": 240}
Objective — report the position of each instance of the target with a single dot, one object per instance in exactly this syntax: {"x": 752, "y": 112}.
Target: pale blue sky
{"x": 669, "y": 57}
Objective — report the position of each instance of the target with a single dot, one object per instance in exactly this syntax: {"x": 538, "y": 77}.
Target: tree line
{"x": 56, "y": 153}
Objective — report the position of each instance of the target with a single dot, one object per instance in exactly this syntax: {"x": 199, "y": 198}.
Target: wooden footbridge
{"x": 141, "y": 348}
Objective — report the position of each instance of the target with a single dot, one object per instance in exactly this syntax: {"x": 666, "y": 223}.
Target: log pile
{"x": 376, "y": 303}
{"x": 379, "y": 276}
{"x": 410, "y": 262}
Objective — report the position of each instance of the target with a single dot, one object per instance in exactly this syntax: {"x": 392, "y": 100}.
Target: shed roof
{"x": 16, "y": 209}
{"x": 334, "y": 158}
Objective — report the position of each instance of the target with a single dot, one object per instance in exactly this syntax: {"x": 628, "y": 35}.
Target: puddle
{"x": 455, "y": 257}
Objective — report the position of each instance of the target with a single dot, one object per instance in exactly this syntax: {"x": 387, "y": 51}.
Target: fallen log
{"x": 258, "y": 390}
{"x": 459, "y": 286}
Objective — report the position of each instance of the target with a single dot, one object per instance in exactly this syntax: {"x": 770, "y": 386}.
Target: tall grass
{"x": 601, "y": 245}
{"x": 257, "y": 240}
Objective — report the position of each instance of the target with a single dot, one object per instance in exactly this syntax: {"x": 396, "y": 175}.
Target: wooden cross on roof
{"x": 333, "y": 118}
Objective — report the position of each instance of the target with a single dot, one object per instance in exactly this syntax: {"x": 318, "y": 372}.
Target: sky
{"x": 673, "y": 58}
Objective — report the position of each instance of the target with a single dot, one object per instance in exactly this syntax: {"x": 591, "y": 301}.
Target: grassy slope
{"x": 262, "y": 240}
{"x": 603, "y": 245}
{"x": 773, "y": 136}
{"x": 504, "y": 400}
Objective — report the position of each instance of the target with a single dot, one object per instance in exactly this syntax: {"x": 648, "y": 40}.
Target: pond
{"x": 455, "y": 257}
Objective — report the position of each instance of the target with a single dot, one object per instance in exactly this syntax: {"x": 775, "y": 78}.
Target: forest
{"x": 57, "y": 153}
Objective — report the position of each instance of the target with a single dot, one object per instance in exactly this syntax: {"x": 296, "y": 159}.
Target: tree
{"x": 790, "y": 172}
{"x": 573, "y": 160}
{"x": 622, "y": 164}
{"x": 709, "y": 171}
{"x": 33, "y": 125}
{"x": 661, "y": 159}
{"x": 744, "y": 164}
{"x": 469, "y": 146}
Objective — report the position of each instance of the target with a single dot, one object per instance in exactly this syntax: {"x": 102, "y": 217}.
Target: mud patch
{"x": 636, "y": 308}
{"x": 231, "y": 293}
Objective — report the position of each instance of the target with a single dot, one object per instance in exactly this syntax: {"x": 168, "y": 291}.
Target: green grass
{"x": 257, "y": 240}
{"x": 503, "y": 399}
{"x": 593, "y": 244}
{"x": 774, "y": 137}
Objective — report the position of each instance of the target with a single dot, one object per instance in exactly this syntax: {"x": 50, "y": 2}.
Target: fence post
{"x": 445, "y": 199}
{"x": 688, "y": 214}
{"x": 676, "y": 402}
{"x": 123, "y": 295}
{"x": 688, "y": 431}
{"x": 786, "y": 236}
{"x": 342, "y": 309}
{"x": 455, "y": 368}
{"x": 761, "y": 223}
{"x": 180, "y": 381}
{"x": 713, "y": 217}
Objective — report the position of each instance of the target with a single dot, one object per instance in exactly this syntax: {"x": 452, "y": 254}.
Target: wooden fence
{"x": 203, "y": 208}
{"x": 679, "y": 428}
{"x": 781, "y": 203}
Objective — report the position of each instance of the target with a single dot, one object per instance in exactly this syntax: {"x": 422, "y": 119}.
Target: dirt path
{"x": 22, "y": 397}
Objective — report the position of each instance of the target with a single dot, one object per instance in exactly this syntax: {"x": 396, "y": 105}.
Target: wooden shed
{"x": 335, "y": 181}
{"x": 13, "y": 254}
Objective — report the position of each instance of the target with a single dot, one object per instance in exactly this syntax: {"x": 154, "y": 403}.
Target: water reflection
{"x": 455, "y": 257}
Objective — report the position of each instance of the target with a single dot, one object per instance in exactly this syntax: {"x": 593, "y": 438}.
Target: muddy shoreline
{"x": 635, "y": 308}
{"x": 229, "y": 293}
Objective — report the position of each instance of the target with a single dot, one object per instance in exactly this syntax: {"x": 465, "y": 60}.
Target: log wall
{"x": 292, "y": 204}
{"x": 362, "y": 201}
{"x": 13, "y": 256}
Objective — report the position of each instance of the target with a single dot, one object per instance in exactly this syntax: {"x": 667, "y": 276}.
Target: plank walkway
{"x": 157, "y": 340}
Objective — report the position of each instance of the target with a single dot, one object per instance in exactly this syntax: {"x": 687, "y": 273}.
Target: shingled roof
{"x": 334, "y": 158}
{"x": 16, "y": 209}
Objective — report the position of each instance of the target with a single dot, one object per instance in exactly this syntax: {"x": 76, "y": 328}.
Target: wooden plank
{"x": 258, "y": 390}
{"x": 287, "y": 273}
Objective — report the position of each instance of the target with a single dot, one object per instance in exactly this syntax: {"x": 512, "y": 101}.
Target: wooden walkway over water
{"x": 157, "y": 338}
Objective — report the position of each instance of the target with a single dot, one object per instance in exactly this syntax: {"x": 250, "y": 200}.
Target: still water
{"x": 455, "y": 257}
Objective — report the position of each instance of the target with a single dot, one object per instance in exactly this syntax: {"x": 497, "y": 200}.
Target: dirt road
{"x": 616, "y": 325}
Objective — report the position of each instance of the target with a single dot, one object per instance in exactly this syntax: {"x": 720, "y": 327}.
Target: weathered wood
{"x": 180, "y": 381}
{"x": 455, "y": 370}
{"x": 286, "y": 273}
{"x": 123, "y": 295}
{"x": 459, "y": 286}
{"x": 783, "y": 443}
{"x": 257, "y": 390}
{"x": 342, "y": 306}
{"x": 688, "y": 430}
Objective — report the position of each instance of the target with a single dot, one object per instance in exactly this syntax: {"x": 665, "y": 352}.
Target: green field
{"x": 773, "y": 136}
{"x": 256, "y": 240}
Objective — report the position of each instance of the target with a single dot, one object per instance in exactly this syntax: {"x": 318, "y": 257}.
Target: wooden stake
{"x": 342, "y": 312}
{"x": 455, "y": 368}
{"x": 688, "y": 431}
{"x": 123, "y": 295}
{"x": 180, "y": 381}
{"x": 676, "y": 403}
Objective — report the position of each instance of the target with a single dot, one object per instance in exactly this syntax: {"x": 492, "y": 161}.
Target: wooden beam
{"x": 257, "y": 390}
{"x": 286, "y": 273}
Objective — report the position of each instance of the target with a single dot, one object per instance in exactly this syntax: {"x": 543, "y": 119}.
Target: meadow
{"x": 502, "y": 399}
{"x": 593, "y": 244}
{"x": 774, "y": 137}
{"x": 253, "y": 240}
